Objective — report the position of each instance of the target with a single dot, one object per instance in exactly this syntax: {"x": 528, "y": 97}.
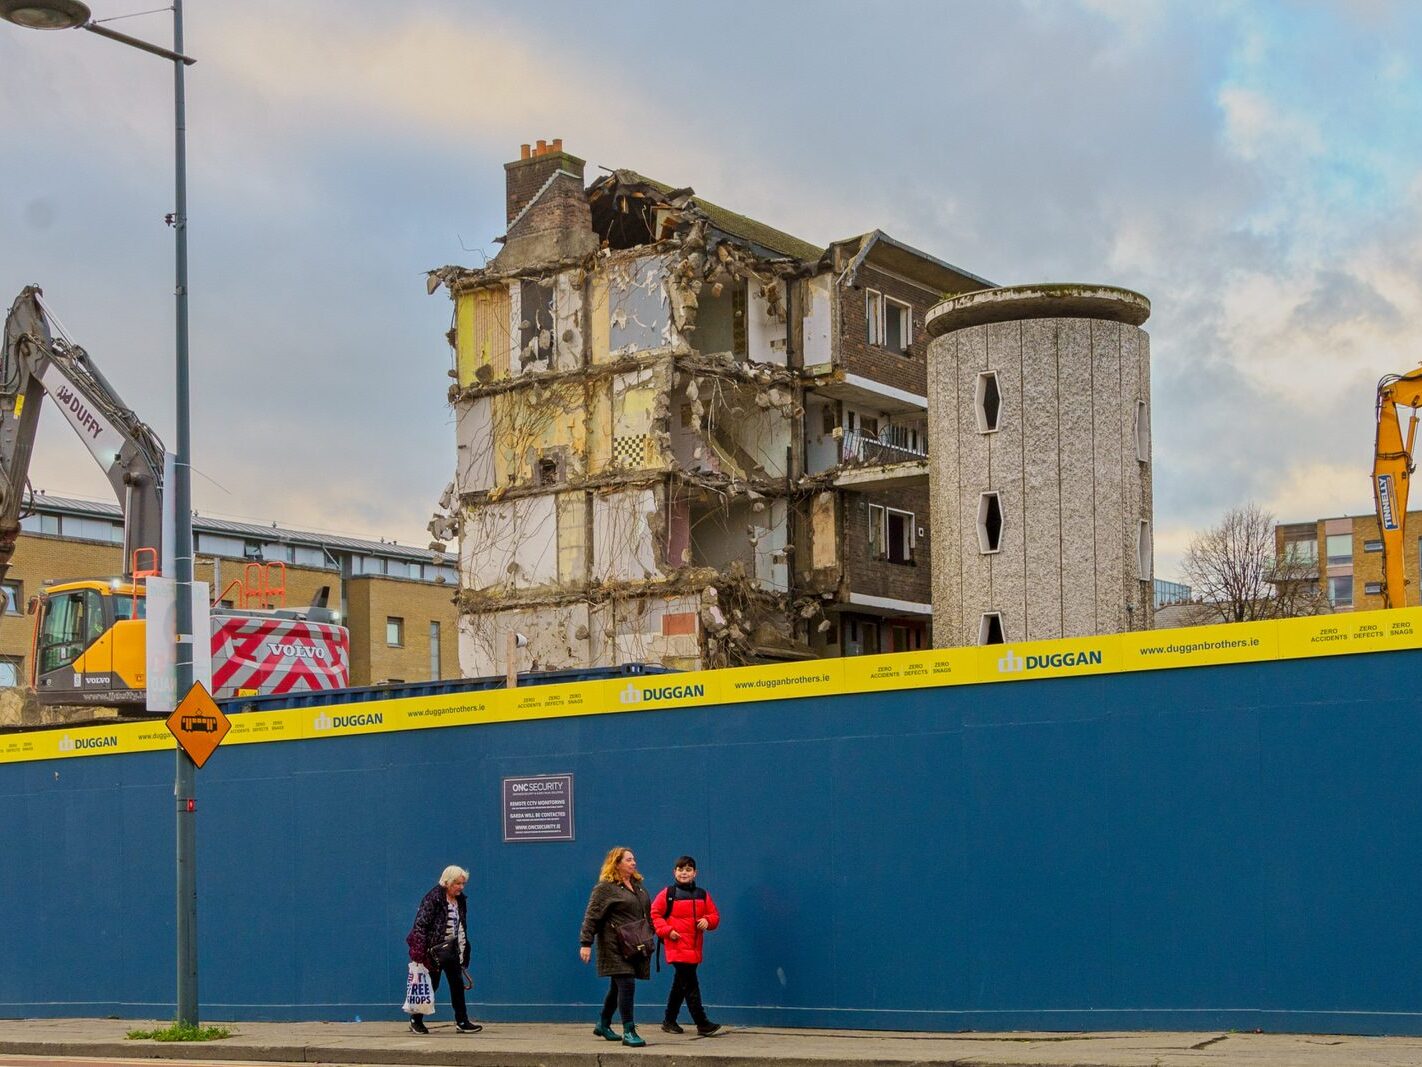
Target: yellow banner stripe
{"x": 1198, "y": 646}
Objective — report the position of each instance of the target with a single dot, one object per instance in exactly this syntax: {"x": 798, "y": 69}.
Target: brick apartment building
{"x": 397, "y": 601}
{"x": 684, "y": 436}
{"x": 1345, "y": 555}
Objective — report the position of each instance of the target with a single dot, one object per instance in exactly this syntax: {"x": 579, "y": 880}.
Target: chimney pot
{"x": 524, "y": 151}
{"x": 542, "y": 147}
{"x": 557, "y": 144}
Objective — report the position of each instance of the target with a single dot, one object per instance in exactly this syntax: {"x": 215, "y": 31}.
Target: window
{"x": 869, "y": 638}
{"x": 1301, "y": 552}
{"x": 905, "y": 638}
{"x": 1142, "y": 432}
{"x": 217, "y": 545}
{"x": 72, "y": 622}
{"x": 891, "y": 534}
{"x": 1340, "y": 550}
{"x": 14, "y": 594}
{"x": 1143, "y": 553}
{"x": 40, "y": 524}
{"x": 434, "y": 652}
{"x": 395, "y": 632}
{"x": 131, "y": 607}
{"x": 1372, "y": 546}
{"x": 9, "y": 670}
{"x": 988, "y": 402}
{"x": 1373, "y": 588}
{"x": 989, "y": 523}
{"x": 888, "y": 322}
{"x": 898, "y": 535}
{"x": 1340, "y": 591}
{"x": 309, "y": 557}
{"x": 898, "y": 326}
{"x": 91, "y": 529}
{"x": 990, "y": 628}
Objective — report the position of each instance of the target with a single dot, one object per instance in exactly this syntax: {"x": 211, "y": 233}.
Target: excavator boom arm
{"x": 33, "y": 364}
{"x": 1392, "y": 477}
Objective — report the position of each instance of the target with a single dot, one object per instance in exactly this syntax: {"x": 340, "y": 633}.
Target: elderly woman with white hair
{"x": 439, "y": 941}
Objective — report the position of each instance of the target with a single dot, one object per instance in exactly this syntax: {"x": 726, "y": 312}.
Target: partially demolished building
{"x": 685, "y": 437}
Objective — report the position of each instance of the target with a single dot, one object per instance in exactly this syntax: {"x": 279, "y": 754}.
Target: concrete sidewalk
{"x": 546, "y": 1045}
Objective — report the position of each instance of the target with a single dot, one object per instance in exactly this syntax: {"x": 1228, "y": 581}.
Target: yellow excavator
{"x": 1392, "y": 474}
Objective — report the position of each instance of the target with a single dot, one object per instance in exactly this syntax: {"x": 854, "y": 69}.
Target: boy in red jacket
{"x": 682, "y": 913}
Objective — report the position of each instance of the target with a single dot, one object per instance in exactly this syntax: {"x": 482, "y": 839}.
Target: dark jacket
{"x": 610, "y": 905}
{"x": 687, "y": 906}
{"x": 428, "y": 930}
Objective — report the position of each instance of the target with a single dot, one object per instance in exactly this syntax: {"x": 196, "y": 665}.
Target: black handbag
{"x": 446, "y": 953}
{"x": 636, "y": 940}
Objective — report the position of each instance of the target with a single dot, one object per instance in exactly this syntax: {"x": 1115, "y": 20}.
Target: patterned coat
{"x": 610, "y": 905}
{"x": 431, "y": 918}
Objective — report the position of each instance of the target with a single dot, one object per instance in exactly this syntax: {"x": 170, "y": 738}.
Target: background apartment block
{"x": 397, "y": 601}
{"x": 684, "y": 436}
{"x": 1344, "y": 555}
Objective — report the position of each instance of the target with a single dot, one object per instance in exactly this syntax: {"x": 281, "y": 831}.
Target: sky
{"x": 1255, "y": 169}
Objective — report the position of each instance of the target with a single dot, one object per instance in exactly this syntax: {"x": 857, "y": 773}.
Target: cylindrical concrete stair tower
{"x": 1039, "y": 471}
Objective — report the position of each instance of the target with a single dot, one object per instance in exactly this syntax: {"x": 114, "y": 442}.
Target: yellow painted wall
{"x": 481, "y": 323}
{"x": 528, "y": 422}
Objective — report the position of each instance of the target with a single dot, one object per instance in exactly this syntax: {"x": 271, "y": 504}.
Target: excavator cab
{"x": 89, "y": 643}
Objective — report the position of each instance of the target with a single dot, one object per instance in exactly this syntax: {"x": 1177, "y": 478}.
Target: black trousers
{"x": 686, "y": 986}
{"x": 455, "y": 975}
{"x": 620, "y": 992}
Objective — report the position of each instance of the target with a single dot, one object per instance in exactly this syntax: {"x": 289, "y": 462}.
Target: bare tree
{"x": 1236, "y": 575}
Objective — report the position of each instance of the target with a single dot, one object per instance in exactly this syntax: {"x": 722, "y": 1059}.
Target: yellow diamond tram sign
{"x": 199, "y": 725}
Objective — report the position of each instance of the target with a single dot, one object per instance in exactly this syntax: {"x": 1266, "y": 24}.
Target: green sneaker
{"x": 631, "y": 1038}
{"x": 603, "y": 1029}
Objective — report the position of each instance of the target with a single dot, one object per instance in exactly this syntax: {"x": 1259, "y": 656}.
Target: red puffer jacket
{"x": 688, "y": 905}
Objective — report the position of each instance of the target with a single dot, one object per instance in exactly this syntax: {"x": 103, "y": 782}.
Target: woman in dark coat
{"x": 439, "y": 940}
{"x": 616, "y": 900}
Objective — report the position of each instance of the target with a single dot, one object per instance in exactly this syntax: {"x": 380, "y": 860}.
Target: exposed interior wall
{"x": 765, "y": 321}
{"x": 818, "y": 320}
{"x": 474, "y": 436}
{"x": 741, "y": 538}
{"x": 628, "y": 534}
{"x": 822, "y": 434}
{"x": 557, "y": 638}
{"x": 638, "y": 306}
{"x": 510, "y": 544}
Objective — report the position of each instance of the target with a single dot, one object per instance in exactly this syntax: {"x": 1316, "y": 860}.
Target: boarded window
{"x": 874, "y": 317}
{"x": 1142, "y": 432}
{"x": 1143, "y": 551}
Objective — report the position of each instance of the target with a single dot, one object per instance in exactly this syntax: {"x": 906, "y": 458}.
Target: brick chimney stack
{"x": 525, "y": 176}
{"x": 548, "y": 215}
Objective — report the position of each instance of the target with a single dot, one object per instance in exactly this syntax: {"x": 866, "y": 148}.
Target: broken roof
{"x": 878, "y": 247}
{"x": 723, "y": 219}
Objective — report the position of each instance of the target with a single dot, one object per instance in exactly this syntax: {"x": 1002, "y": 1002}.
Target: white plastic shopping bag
{"x": 419, "y": 991}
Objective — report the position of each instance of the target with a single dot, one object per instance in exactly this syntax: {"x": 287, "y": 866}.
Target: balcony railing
{"x": 891, "y": 445}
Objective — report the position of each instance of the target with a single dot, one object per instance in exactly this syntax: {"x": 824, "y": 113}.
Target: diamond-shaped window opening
{"x": 1142, "y": 432}
{"x": 1144, "y": 562}
{"x": 989, "y": 523}
{"x": 990, "y": 629}
{"x": 988, "y": 402}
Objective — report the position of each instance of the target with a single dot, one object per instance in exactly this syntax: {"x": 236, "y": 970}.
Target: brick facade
{"x": 371, "y": 601}
{"x": 879, "y": 577}
{"x": 906, "y": 370}
{"x": 524, "y": 177}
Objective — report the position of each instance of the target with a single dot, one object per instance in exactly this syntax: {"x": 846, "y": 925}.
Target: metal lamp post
{"x": 71, "y": 14}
